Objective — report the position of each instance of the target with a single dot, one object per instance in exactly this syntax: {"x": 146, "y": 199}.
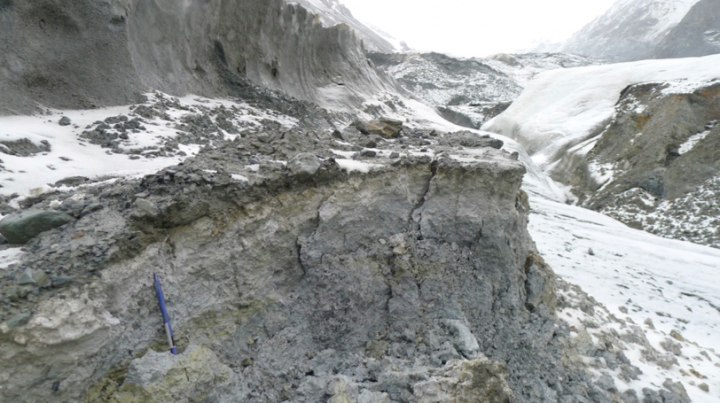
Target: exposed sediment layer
{"x": 87, "y": 53}
{"x": 304, "y": 289}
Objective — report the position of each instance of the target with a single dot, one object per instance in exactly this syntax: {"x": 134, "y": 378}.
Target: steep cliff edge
{"x": 89, "y": 53}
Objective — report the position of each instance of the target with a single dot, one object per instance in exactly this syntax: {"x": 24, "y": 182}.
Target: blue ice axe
{"x": 166, "y": 317}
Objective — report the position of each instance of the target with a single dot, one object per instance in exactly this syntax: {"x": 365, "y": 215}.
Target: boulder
{"x": 472, "y": 140}
{"x": 385, "y": 127}
{"x": 19, "y": 228}
{"x": 304, "y": 165}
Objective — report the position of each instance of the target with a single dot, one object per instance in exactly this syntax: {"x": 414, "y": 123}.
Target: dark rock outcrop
{"x": 665, "y": 163}
{"x": 698, "y": 34}
{"x": 19, "y": 228}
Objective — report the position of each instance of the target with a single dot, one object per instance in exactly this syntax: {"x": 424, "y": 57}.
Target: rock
{"x": 146, "y": 207}
{"x": 368, "y": 396}
{"x": 157, "y": 377}
{"x": 471, "y": 140}
{"x": 24, "y": 147}
{"x": 671, "y": 346}
{"x": 368, "y": 153}
{"x": 91, "y": 208}
{"x": 65, "y": 121}
{"x": 480, "y": 380}
{"x": 42, "y": 279}
{"x": 13, "y": 294}
{"x": 539, "y": 284}
{"x": 394, "y": 155}
{"x": 59, "y": 281}
{"x": 19, "y": 320}
{"x": 304, "y": 165}
{"x": 387, "y": 128}
{"x": 676, "y": 335}
{"x": 704, "y": 387}
{"x": 651, "y": 396}
{"x": 71, "y": 181}
{"x": 630, "y": 396}
{"x": 23, "y": 226}
{"x": 337, "y": 134}
{"x": 676, "y": 390}
{"x": 27, "y": 278}
{"x": 591, "y": 252}
{"x": 607, "y": 383}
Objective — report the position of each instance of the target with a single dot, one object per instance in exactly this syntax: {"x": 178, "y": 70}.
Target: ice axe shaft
{"x": 166, "y": 317}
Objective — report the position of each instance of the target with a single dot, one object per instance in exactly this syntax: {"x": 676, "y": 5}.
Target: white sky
{"x": 477, "y": 27}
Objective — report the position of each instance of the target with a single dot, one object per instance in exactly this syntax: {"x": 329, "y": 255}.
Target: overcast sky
{"x": 477, "y": 27}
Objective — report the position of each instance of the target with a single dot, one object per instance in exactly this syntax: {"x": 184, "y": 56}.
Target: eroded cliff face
{"x": 91, "y": 53}
{"x": 698, "y": 34}
{"x": 656, "y": 165}
{"x": 413, "y": 282}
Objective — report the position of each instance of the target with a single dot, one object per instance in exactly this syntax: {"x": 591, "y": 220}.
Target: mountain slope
{"x": 698, "y": 34}
{"x": 636, "y": 140}
{"x": 630, "y": 30}
{"x": 332, "y": 12}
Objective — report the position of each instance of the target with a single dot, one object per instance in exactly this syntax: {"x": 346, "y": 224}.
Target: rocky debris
{"x": 385, "y": 127}
{"x": 65, "y": 121}
{"x": 71, "y": 181}
{"x": 19, "y": 228}
{"x": 480, "y": 380}
{"x": 660, "y": 153}
{"x": 304, "y": 165}
{"x": 470, "y": 139}
{"x": 24, "y": 147}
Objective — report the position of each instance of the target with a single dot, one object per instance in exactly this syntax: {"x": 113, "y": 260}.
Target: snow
{"x": 692, "y": 141}
{"x": 562, "y": 108}
{"x": 239, "y": 177}
{"x": 356, "y": 166}
{"x": 73, "y": 156}
{"x": 664, "y": 14}
{"x": 672, "y": 283}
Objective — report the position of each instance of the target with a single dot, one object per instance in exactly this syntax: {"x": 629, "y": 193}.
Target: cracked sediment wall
{"x": 85, "y": 54}
{"x": 338, "y": 286}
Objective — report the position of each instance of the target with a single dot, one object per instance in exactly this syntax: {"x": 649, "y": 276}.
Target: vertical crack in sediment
{"x": 415, "y": 225}
{"x": 311, "y": 233}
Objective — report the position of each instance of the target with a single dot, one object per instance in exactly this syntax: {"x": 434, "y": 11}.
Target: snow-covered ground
{"x": 659, "y": 284}
{"x": 72, "y": 155}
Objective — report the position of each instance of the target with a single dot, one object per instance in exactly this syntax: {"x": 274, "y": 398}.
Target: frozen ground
{"x": 662, "y": 285}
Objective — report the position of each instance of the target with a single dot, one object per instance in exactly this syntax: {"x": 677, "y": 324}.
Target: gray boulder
{"x": 304, "y": 165}
{"x": 21, "y": 227}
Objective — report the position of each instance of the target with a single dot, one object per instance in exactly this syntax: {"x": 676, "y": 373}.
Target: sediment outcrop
{"x": 415, "y": 281}
{"x": 87, "y": 54}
